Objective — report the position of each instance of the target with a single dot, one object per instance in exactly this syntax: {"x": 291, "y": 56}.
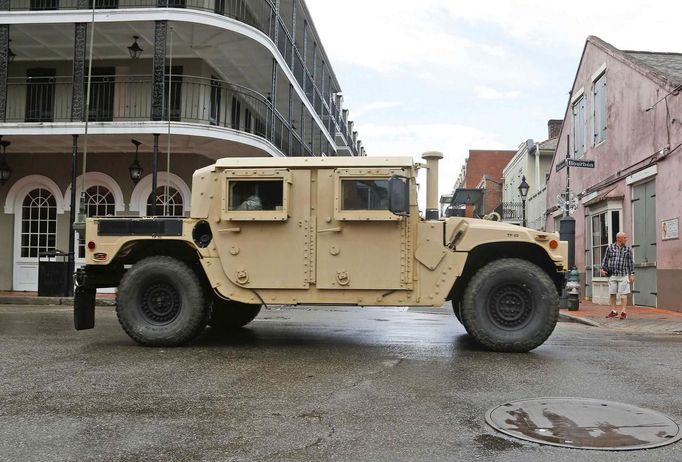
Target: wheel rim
{"x": 160, "y": 303}
{"x": 510, "y": 306}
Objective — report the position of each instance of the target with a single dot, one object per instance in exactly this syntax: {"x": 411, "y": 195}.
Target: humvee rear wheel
{"x": 230, "y": 315}
{"x": 457, "y": 309}
{"x": 160, "y": 302}
{"x": 510, "y": 305}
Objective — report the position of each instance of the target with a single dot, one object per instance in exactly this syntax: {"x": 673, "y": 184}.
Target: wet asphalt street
{"x": 307, "y": 384}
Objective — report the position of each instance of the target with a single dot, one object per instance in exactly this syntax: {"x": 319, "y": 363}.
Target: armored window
{"x": 256, "y": 195}
{"x": 364, "y": 194}
{"x": 253, "y": 195}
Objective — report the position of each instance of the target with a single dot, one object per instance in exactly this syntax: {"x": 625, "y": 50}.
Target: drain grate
{"x": 584, "y": 424}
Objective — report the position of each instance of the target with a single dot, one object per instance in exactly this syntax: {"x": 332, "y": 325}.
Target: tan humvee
{"x": 330, "y": 230}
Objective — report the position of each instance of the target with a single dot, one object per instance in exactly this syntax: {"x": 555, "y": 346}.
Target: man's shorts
{"x": 619, "y": 285}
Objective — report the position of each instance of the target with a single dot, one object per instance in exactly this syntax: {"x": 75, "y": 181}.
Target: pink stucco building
{"x": 625, "y": 114}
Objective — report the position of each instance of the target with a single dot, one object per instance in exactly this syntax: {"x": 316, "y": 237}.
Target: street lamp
{"x": 135, "y": 169}
{"x": 10, "y": 54}
{"x": 523, "y": 190}
{"x": 135, "y": 50}
{"x": 5, "y": 171}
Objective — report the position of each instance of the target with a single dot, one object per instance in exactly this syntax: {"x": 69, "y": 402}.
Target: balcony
{"x": 197, "y": 100}
{"x": 511, "y": 211}
{"x": 260, "y": 14}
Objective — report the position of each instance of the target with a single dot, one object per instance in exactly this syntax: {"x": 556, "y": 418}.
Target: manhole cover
{"x": 584, "y": 424}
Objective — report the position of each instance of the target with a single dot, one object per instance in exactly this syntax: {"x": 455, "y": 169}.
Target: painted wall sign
{"x": 670, "y": 229}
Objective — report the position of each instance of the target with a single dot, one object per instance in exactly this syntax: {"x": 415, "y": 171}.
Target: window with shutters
{"x": 579, "y": 128}
{"x": 599, "y": 109}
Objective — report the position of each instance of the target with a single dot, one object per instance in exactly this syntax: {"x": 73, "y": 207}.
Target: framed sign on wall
{"x": 670, "y": 229}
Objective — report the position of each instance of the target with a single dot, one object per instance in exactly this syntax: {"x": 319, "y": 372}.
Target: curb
{"x": 577, "y": 319}
{"x": 64, "y": 301}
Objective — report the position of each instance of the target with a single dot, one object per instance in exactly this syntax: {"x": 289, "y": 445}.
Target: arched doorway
{"x": 36, "y": 202}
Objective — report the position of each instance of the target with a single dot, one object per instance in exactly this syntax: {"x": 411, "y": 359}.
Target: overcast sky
{"x": 453, "y": 75}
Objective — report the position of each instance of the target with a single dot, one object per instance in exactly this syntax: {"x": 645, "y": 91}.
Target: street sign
{"x": 574, "y": 163}
{"x": 570, "y": 206}
{"x": 580, "y": 163}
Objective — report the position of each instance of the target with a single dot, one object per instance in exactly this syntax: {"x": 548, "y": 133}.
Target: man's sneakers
{"x": 614, "y": 314}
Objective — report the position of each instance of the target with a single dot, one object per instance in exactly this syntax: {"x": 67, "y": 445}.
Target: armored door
{"x": 360, "y": 244}
{"x": 263, "y": 234}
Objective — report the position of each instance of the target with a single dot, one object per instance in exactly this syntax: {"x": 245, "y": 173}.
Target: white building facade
{"x": 169, "y": 85}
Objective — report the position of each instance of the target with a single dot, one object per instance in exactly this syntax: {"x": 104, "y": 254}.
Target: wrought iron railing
{"x": 511, "y": 211}
{"x": 260, "y": 14}
{"x": 128, "y": 98}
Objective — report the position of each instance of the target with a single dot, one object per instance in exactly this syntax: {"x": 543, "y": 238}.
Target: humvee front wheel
{"x": 231, "y": 315}
{"x": 160, "y": 302}
{"x": 510, "y": 305}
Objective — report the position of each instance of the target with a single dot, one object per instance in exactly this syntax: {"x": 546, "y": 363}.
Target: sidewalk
{"x": 640, "y": 319}
{"x": 31, "y": 298}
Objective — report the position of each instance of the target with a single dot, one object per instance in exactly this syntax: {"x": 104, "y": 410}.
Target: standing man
{"x": 619, "y": 266}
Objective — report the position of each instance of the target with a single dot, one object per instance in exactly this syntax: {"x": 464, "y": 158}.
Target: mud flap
{"x": 84, "y": 308}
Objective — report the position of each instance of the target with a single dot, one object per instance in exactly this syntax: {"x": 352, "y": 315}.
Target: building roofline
{"x": 636, "y": 64}
{"x": 622, "y": 56}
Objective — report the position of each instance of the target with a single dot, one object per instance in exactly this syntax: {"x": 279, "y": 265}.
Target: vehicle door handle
{"x": 330, "y": 230}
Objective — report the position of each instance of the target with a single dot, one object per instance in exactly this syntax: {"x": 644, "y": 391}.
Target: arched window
{"x": 99, "y": 202}
{"x": 168, "y": 202}
{"x": 38, "y": 223}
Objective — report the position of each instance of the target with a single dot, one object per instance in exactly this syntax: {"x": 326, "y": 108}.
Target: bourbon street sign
{"x": 575, "y": 163}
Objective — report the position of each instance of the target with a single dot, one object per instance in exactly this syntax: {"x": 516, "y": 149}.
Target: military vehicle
{"x": 323, "y": 230}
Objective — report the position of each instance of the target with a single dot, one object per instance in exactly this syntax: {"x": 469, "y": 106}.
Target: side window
{"x": 256, "y": 195}
{"x": 253, "y": 195}
{"x": 364, "y": 194}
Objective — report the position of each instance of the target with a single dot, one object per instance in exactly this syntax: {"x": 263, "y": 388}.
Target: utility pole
{"x": 567, "y": 223}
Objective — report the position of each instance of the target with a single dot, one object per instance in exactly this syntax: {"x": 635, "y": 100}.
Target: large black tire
{"x": 457, "y": 309}
{"x": 510, "y": 305}
{"x": 231, "y": 315}
{"x": 161, "y": 302}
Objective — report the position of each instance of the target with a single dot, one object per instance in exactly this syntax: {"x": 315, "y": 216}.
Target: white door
{"x": 35, "y": 231}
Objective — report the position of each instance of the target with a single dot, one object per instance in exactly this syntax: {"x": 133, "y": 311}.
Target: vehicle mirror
{"x": 399, "y": 195}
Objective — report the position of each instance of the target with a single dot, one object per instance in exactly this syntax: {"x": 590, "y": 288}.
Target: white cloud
{"x": 484, "y": 92}
{"x": 453, "y": 140}
{"x": 373, "y": 107}
{"x": 386, "y": 35}
{"x": 520, "y": 53}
